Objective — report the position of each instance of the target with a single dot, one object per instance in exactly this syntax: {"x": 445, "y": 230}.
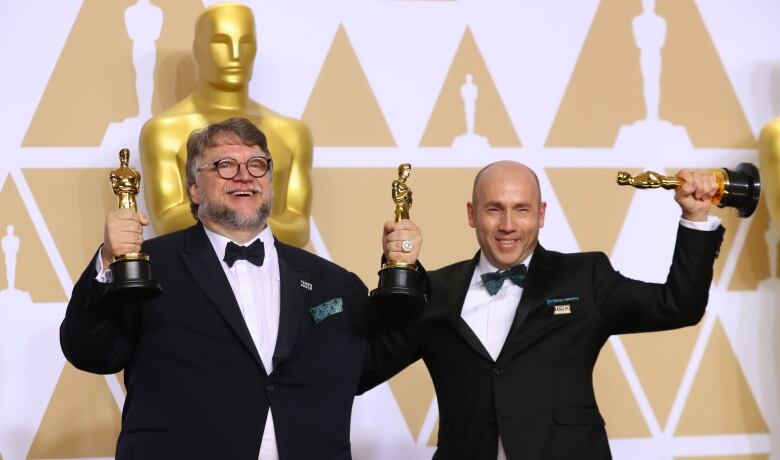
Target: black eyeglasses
{"x": 228, "y": 168}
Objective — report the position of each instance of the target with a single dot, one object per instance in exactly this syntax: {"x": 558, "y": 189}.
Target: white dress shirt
{"x": 257, "y": 291}
{"x": 491, "y": 317}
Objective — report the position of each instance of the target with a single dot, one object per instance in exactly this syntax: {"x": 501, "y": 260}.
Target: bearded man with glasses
{"x": 255, "y": 348}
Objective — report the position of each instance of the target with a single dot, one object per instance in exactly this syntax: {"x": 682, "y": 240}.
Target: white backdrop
{"x": 560, "y": 88}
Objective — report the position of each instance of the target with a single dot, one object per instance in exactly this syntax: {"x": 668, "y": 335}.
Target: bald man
{"x": 510, "y": 337}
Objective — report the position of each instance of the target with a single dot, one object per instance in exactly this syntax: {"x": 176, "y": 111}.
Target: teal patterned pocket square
{"x": 323, "y": 310}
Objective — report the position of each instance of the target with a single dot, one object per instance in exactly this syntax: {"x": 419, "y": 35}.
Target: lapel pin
{"x": 562, "y": 310}
{"x": 306, "y": 285}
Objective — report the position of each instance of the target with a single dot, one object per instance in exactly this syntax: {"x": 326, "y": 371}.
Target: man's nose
{"x": 506, "y": 223}
{"x": 243, "y": 173}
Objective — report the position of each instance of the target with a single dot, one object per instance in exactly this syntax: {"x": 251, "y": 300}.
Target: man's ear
{"x": 193, "y": 191}
{"x": 470, "y": 213}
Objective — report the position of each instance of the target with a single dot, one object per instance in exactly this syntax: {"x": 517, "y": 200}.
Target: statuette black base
{"x": 132, "y": 281}
{"x": 744, "y": 189}
{"x": 399, "y": 286}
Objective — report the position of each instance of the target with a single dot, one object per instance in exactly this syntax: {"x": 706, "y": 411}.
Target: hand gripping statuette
{"x": 131, "y": 272}
{"x": 739, "y": 188}
{"x": 399, "y": 282}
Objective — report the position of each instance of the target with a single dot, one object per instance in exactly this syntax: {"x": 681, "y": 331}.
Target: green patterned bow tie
{"x": 494, "y": 280}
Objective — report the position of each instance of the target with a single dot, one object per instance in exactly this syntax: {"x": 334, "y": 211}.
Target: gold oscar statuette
{"x": 132, "y": 272}
{"x": 739, "y": 188}
{"x": 399, "y": 282}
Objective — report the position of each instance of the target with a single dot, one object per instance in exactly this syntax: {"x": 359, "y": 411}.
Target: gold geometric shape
{"x": 93, "y": 82}
{"x": 615, "y": 400}
{"x": 362, "y": 196}
{"x": 448, "y": 118}
{"x": 695, "y": 90}
{"x": 414, "y": 393}
{"x": 75, "y": 213}
{"x": 753, "y": 263}
{"x": 81, "y": 420}
{"x": 605, "y": 89}
{"x": 604, "y": 199}
{"x": 728, "y": 457}
{"x": 660, "y": 360}
{"x": 174, "y": 72}
{"x": 433, "y": 441}
{"x": 720, "y": 401}
{"x": 34, "y": 271}
{"x": 342, "y": 109}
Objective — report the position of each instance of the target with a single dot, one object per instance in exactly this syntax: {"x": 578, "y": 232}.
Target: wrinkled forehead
{"x": 235, "y": 21}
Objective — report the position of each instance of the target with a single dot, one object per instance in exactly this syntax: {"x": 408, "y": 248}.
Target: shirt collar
{"x": 483, "y": 266}
{"x": 219, "y": 243}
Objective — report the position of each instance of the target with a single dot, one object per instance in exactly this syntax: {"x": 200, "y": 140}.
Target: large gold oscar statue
{"x": 769, "y": 145}
{"x": 224, "y": 49}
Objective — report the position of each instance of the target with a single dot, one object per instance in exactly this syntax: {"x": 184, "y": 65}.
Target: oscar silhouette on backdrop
{"x": 650, "y": 36}
{"x": 224, "y": 49}
{"x": 469, "y": 91}
{"x": 144, "y": 23}
{"x": 10, "y": 246}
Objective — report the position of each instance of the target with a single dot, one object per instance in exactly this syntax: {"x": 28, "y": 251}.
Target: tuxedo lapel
{"x": 533, "y": 291}
{"x": 204, "y": 265}
{"x": 292, "y": 298}
{"x": 458, "y": 288}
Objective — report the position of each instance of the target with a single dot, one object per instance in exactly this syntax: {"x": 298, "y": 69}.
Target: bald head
{"x": 505, "y": 170}
{"x": 506, "y": 212}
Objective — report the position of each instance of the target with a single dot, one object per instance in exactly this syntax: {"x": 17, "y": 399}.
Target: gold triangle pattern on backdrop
{"x": 660, "y": 360}
{"x": 753, "y": 263}
{"x": 81, "y": 420}
{"x": 174, "y": 71}
{"x": 448, "y": 119}
{"x": 604, "y": 201}
{"x": 605, "y": 89}
{"x": 720, "y": 400}
{"x": 77, "y": 105}
{"x": 615, "y": 399}
{"x": 89, "y": 196}
{"x": 34, "y": 272}
{"x": 695, "y": 90}
{"x": 342, "y": 109}
{"x": 414, "y": 393}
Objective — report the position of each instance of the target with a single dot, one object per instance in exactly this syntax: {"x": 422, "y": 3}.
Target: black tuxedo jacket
{"x": 196, "y": 387}
{"x": 538, "y": 394}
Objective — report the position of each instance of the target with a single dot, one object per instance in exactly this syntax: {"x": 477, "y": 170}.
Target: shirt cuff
{"x": 103, "y": 274}
{"x": 712, "y": 223}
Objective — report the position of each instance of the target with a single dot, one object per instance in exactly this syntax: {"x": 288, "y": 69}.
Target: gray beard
{"x": 221, "y": 213}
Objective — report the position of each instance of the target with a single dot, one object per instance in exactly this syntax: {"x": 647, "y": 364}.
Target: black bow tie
{"x": 254, "y": 253}
{"x": 494, "y": 280}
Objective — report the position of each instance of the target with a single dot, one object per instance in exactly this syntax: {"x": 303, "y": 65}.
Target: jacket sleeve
{"x": 629, "y": 305}
{"x": 392, "y": 340}
{"x": 96, "y": 336}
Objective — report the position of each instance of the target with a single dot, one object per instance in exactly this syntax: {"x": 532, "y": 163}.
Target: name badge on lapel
{"x": 562, "y": 306}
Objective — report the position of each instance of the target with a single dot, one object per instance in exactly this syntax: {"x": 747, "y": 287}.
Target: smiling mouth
{"x": 241, "y": 193}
